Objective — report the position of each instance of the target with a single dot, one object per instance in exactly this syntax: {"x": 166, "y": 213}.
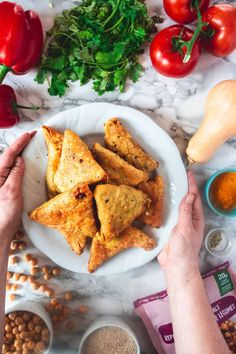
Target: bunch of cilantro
{"x": 98, "y": 40}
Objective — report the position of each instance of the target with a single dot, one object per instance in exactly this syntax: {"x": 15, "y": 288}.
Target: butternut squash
{"x": 218, "y": 125}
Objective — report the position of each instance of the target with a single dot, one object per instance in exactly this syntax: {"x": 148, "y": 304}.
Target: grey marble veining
{"x": 175, "y": 105}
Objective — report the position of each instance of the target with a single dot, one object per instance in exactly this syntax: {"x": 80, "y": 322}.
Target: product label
{"x": 224, "y": 309}
{"x": 166, "y": 333}
{"x": 224, "y": 281}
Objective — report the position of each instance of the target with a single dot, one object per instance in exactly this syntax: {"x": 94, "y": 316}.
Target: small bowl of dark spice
{"x": 109, "y": 335}
{"x": 217, "y": 242}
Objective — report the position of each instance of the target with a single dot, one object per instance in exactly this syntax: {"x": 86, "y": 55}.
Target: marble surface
{"x": 177, "y": 106}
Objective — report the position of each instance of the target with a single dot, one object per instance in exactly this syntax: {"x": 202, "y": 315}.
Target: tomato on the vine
{"x": 184, "y": 11}
{"x": 220, "y": 34}
{"x": 168, "y": 51}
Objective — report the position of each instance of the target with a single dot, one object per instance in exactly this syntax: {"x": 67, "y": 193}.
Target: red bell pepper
{"x": 21, "y": 39}
{"x": 8, "y": 107}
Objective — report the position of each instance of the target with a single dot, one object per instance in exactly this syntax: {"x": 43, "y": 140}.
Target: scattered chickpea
{"x": 68, "y": 295}
{"x": 14, "y": 245}
{"x": 12, "y": 297}
{"x": 31, "y": 279}
{"x": 53, "y": 301}
{"x": 49, "y": 292}
{"x": 22, "y": 245}
{"x": 56, "y": 271}
{"x": 33, "y": 262}
{"x": 9, "y": 275}
{"x": 47, "y": 276}
{"x": 42, "y": 288}
{"x": 15, "y": 287}
{"x": 45, "y": 269}
{"x": 27, "y": 257}
{"x": 34, "y": 270}
{"x": 13, "y": 260}
{"x": 35, "y": 286}
{"x": 83, "y": 309}
{"x": 8, "y": 286}
{"x": 16, "y": 276}
{"x": 23, "y": 278}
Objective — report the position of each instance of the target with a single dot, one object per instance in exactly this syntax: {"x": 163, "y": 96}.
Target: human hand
{"x": 181, "y": 252}
{"x": 11, "y": 175}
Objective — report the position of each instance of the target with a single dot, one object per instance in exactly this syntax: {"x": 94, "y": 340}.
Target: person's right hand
{"x": 11, "y": 175}
{"x": 185, "y": 241}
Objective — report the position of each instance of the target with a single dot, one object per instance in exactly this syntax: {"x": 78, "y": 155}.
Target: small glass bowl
{"x": 223, "y": 248}
{"x": 230, "y": 213}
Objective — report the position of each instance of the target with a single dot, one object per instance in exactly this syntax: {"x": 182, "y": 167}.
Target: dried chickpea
{"x": 13, "y": 260}
{"x": 40, "y": 347}
{"x": 45, "y": 269}
{"x": 8, "y": 328}
{"x": 23, "y": 278}
{"x": 34, "y": 270}
{"x": 26, "y": 316}
{"x": 16, "y": 276}
{"x": 35, "y": 286}
{"x": 8, "y": 286}
{"x": 83, "y": 309}
{"x": 33, "y": 262}
{"x": 53, "y": 301}
{"x": 22, "y": 327}
{"x": 37, "y": 320}
{"x": 49, "y": 292}
{"x": 5, "y": 348}
{"x": 45, "y": 332}
{"x": 47, "y": 276}
{"x": 31, "y": 345}
{"x": 68, "y": 295}
{"x": 15, "y": 330}
{"x": 27, "y": 257}
{"x": 15, "y": 287}
{"x": 43, "y": 288}
{"x": 56, "y": 271}
{"x": 12, "y": 316}
{"x": 31, "y": 279}
{"x": 14, "y": 245}
{"x": 19, "y": 321}
{"x": 12, "y": 297}
{"x": 9, "y": 275}
{"x": 22, "y": 245}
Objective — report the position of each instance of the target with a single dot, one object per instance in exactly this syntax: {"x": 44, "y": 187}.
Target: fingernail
{"x": 190, "y": 198}
{"x": 33, "y": 133}
{"x": 18, "y": 162}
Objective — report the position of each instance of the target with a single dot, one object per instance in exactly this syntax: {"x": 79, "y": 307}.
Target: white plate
{"x": 87, "y": 121}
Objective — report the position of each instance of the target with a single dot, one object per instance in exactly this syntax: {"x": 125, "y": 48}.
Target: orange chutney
{"x": 223, "y": 191}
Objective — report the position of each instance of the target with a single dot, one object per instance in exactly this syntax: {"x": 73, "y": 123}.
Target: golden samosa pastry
{"x": 71, "y": 213}
{"x": 101, "y": 251}
{"x": 119, "y": 140}
{"x": 118, "y": 207}
{"x": 54, "y": 141}
{"x": 77, "y": 165}
{"x": 118, "y": 170}
{"x": 153, "y": 216}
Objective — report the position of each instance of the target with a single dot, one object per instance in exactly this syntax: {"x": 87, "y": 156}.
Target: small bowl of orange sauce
{"x": 220, "y": 192}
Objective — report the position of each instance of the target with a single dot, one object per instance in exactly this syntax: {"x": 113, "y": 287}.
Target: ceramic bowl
{"x": 231, "y": 213}
{"x": 108, "y": 321}
{"x": 37, "y": 309}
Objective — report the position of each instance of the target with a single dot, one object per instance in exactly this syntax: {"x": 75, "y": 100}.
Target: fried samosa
{"x": 119, "y": 140}
{"x": 153, "y": 216}
{"x": 118, "y": 170}
{"x": 54, "y": 141}
{"x": 118, "y": 207}
{"x": 131, "y": 237}
{"x": 77, "y": 165}
{"x": 71, "y": 213}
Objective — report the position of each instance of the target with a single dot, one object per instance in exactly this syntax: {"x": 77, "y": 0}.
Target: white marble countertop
{"x": 177, "y": 106}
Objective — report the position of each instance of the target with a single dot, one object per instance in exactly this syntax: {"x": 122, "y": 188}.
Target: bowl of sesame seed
{"x": 108, "y": 335}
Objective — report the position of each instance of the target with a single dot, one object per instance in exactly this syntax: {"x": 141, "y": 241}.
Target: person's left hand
{"x": 11, "y": 175}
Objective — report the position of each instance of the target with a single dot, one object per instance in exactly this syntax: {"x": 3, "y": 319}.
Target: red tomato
{"x": 168, "y": 61}
{"x": 222, "y": 19}
{"x": 182, "y": 11}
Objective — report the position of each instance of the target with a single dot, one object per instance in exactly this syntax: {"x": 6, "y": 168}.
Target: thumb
{"x": 16, "y": 174}
{"x": 185, "y": 211}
